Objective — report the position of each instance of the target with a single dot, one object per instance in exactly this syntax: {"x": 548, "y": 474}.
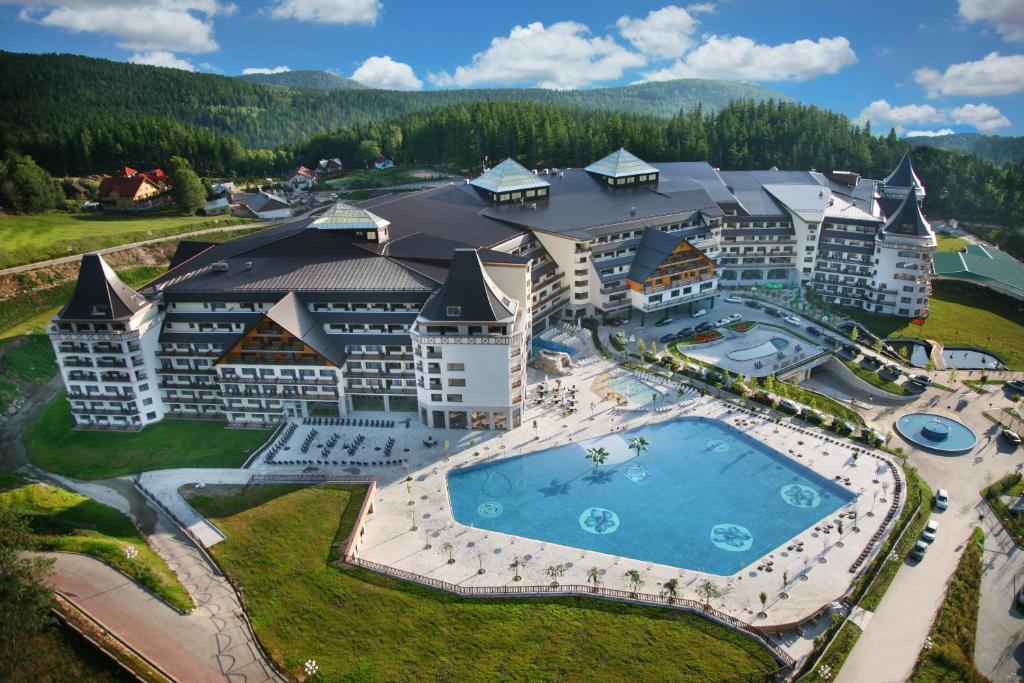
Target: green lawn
{"x": 23, "y": 362}
{"x": 829, "y": 666}
{"x": 972, "y": 317}
{"x": 360, "y": 626}
{"x": 63, "y": 520}
{"x": 31, "y": 238}
{"x": 951, "y": 657}
{"x": 54, "y": 445}
{"x": 872, "y": 378}
{"x": 948, "y": 243}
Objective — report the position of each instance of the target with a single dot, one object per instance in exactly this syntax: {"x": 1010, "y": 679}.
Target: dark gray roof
{"x": 100, "y": 294}
{"x": 468, "y": 295}
{"x": 654, "y": 248}
{"x": 292, "y": 258}
{"x": 908, "y": 220}
{"x": 748, "y": 188}
{"x": 903, "y": 175}
{"x": 421, "y": 246}
{"x": 293, "y": 315}
{"x": 186, "y": 249}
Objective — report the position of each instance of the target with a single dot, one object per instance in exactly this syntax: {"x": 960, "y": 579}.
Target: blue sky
{"x": 917, "y": 65}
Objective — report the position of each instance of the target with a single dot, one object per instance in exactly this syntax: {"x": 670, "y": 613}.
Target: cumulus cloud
{"x": 740, "y": 58}
{"x": 265, "y": 70}
{"x": 328, "y": 11}
{"x": 161, "y": 25}
{"x": 562, "y": 55}
{"x": 161, "y": 58}
{"x": 984, "y": 117}
{"x": 994, "y": 75}
{"x": 702, "y": 8}
{"x": 387, "y": 74}
{"x": 664, "y": 33}
{"x": 928, "y": 133}
{"x": 1006, "y": 15}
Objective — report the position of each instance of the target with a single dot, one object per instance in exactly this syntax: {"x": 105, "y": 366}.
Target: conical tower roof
{"x": 468, "y": 295}
{"x": 508, "y": 176}
{"x": 904, "y": 175}
{"x": 100, "y": 294}
{"x": 908, "y": 220}
{"x": 619, "y": 164}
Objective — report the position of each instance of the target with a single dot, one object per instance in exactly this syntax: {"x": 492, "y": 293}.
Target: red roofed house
{"x": 301, "y": 178}
{"x": 129, "y": 189}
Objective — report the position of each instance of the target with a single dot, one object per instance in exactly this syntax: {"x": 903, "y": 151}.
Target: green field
{"x": 948, "y": 243}
{"x": 360, "y": 626}
{"x": 63, "y": 520}
{"x": 55, "y": 446}
{"x": 31, "y": 238}
{"x": 24, "y": 362}
{"x": 971, "y": 317}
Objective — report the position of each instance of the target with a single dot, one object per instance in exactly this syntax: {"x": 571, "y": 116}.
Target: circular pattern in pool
{"x": 638, "y": 473}
{"x": 936, "y": 433}
{"x": 490, "y": 509}
{"x": 732, "y": 537}
{"x": 599, "y": 521}
{"x": 800, "y": 496}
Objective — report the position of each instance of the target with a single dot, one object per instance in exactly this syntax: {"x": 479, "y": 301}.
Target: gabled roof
{"x": 984, "y": 264}
{"x": 508, "y": 176}
{"x": 655, "y": 246}
{"x": 904, "y": 175}
{"x": 292, "y": 315}
{"x": 468, "y": 295}
{"x": 100, "y": 294}
{"x": 301, "y": 170}
{"x": 908, "y": 220}
{"x": 620, "y": 164}
{"x": 126, "y": 186}
{"x": 808, "y": 202}
{"x": 187, "y": 249}
{"x": 344, "y": 216}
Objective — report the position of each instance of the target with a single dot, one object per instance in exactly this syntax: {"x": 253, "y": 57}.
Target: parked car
{"x": 667, "y": 338}
{"x": 812, "y": 415}
{"x": 1015, "y": 385}
{"x": 663, "y": 322}
{"x": 703, "y": 327}
{"x": 752, "y": 304}
{"x": 872, "y": 362}
{"x": 918, "y": 551}
{"x": 734, "y": 299}
{"x": 930, "y": 529}
{"x": 811, "y": 329}
{"x": 699, "y": 313}
{"x": 765, "y": 397}
{"x": 941, "y": 499}
{"x": 1011, "y": 436}
{"x": 923, "y": 380}
{"x": 773, "y": 311}
{"x": 789, "y": 405}
{"x": 793, "y": 320}
{"x": 719, "y": 323}
{"x": 734, "y": 317}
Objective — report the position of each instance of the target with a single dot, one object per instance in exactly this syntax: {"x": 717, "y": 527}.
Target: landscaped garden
{"x": 54, "y": 445}
{"x": 63, "y": 520}
{"x": 948, "y": 653}
{"x": 361, "y": 626}
{"x": 873, "y": 378}
{"x": 1010, "y": 485}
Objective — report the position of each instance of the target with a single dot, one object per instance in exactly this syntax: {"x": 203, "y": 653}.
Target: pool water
{"x": 539, "y": 343}
{"x": 703, "y": 496}
{"x": 636, "y": 391}
{"x": 936, "y": 432}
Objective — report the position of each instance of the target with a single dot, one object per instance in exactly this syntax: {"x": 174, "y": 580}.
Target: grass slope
{"x": 951, "y": 657}
{"x": 361, "y": 626}
{"x": 948, "y": 243}
{"x": 872, "y": 378}
{"x": 60, "y": 654}
{"x": 31, "y": 238}
{"x": 63, "y": 520}
{"x": 54, "y": 445}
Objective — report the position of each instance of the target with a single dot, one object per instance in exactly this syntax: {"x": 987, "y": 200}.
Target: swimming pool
{"x": 703, "y": 496}
{"x": 539, "y": 343}
{"x": 636, "y": 391}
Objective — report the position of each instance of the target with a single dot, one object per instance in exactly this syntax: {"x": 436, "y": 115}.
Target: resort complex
{"x": 429, "y": 302}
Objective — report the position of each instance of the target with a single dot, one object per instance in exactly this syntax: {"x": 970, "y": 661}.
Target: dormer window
{"x": 453, "y": 311}
{"x": 100, "y": 310}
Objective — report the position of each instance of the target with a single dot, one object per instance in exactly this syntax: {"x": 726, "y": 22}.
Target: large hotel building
{"x": 425, "y": 303}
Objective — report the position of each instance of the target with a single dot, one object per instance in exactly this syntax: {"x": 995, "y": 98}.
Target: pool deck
{"x": 717, "y": 352}
{"x": 817, "y": 576}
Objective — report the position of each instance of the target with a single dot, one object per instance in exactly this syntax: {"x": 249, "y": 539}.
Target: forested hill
{"x": 997, "y": 148}
{"x": 304, "y": 80}
{"x": 47, "y": 97}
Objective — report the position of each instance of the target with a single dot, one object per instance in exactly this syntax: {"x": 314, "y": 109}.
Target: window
{"x": 456, "y": 367}
{"x": 452, "y": 311}
{"x": 456, "y": 382}
{"x": 455, "y": 398}
{"x": 147, "y": 401}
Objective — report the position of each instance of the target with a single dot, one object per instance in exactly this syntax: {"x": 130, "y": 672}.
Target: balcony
{"x": 77, "y": 363}
{"x": 116, "y": 363}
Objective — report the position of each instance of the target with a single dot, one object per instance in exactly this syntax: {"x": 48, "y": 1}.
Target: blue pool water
{"x": 638, "y": 392}
{"x": 703, "y": 496}
{"x": 936, "y": 432}
{"x": 539, "y": 343}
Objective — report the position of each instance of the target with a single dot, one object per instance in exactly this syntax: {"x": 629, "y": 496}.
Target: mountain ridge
{"x": 304, "y": 79}
{"x": 996, "y": 148}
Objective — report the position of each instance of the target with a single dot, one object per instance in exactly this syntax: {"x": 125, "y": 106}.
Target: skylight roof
{"x": 508, "y": 176}
{"x": 620, "y": 164}
{"x": 344, "y": 216}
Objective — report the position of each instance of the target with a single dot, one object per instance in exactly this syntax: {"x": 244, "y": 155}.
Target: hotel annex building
{"x": 426, "y": 302}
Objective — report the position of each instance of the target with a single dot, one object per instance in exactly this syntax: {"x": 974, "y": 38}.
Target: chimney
{"x": 632, "y": 211}
{"x": 248, "y": 265}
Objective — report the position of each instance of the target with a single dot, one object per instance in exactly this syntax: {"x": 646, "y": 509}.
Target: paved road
{"x": 998, "y": 650}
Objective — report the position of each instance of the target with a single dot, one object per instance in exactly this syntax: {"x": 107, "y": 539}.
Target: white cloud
{"x": 702, "y": 8}
{"x": 387, "y": 74}
{"x": 994, "y": 75}
{"x": 664, "y": 33}
{"x": 328, "y": 11}
{"x": 984, "y": 117}
{"x": 161, "y": 25}
{"x": 562, "y": 55}
{"x": 882, "y": 114}
{"x": 1006, "y": 15}
{"x": 162, "y": 58}
{"x": 928, "y": 133}
{"x": 740, "y": 58}
{"x": 265, "y": 70}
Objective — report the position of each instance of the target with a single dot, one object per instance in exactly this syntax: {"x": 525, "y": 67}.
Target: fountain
{"x": 936, "y": 433}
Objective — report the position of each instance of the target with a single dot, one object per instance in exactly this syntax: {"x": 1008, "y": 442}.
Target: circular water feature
{"x": 490, "y": 509}
{"x": 638, "y": 473}
{"x": 599, "y": 521}
{"x": 936, "y": 432}
{"x": 800, "y": 496}
{"x": 732, "y": 537}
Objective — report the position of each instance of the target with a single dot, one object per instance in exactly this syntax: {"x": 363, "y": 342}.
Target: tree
{"x": 639, "y": 444}
{"x": 854, "y": 334}
{"x": 24, "y": 596}
{"x": 763, "y": 597}
{"x": 367, "y": 151}
{"x": 598, "y": 455}
{"x": 636, "y": 582}
{"x": 448, "y": 548}
{"x": 929, "y": 364}
{"x": 594, "y": 577}
{"x": 25, "y": 187}
{"x": 708, "y": 589}
{"x": 670, "y": 589}
{"x": 904, "y": 355}
{"x": 640, "y": 347}
{"x": 515, "y": 565}
{"x": 186, "y": 187}
{"x": 555, "y": 572}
